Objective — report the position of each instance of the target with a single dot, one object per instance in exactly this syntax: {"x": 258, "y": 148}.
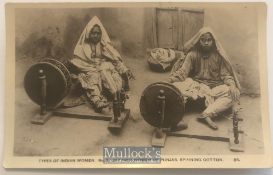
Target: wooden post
{"x": 159, "y": 137}
{"x": 235, "y": 127}
{"x": 44, "y": 115}
{"x": 123, "y": 98}
{"x": 126, "y": 82}
{"x": 161, "y": 112}
{"x": 121, "y": 114}
{"x": 236, "y": 135}
{"x": 42, "y": 78}
{"x": 116, "y": 107}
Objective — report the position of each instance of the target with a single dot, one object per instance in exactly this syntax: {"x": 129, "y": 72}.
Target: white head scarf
{"x": 195, "y": 39}
{"x": 83, "y": 49}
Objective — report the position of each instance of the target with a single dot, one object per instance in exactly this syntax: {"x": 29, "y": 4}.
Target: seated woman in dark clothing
{"x": 207, "y": 73}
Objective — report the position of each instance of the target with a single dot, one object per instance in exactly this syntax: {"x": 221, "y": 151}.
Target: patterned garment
{"x": 100, "y": 65}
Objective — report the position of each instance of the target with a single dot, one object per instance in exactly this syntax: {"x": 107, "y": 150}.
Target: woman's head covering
{"x": 83, "y": 49}
{"x": 195, "y": 39}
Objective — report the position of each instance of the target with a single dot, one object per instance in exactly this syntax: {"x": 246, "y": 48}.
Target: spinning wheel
{"x": 162, "y": 106}
{"x": 150, "y": 106}
{"x": 48, "y": 82}
{"x": 58, "y": 82}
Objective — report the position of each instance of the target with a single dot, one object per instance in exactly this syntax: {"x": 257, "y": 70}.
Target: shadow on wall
{"x": 72, "y": 32}
{"x": 48, "y": 43}
{"x": 54, "y": 36}
{"x": 53, "y": 42}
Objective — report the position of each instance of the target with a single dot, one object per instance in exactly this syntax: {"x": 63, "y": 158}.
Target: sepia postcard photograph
{"x": 136, "y": 85}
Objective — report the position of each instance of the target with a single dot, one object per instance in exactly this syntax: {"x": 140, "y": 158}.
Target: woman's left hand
{"x": 234, "y": 92}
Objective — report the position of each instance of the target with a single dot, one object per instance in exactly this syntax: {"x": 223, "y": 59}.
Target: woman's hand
{"x": 130, "y": 75}
{"x": 172, "y": 80}
{"x": 234, "y": 92}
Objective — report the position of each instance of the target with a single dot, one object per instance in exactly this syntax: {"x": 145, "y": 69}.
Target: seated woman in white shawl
{"x": 99, "y": 64}
{"x": 207, "y": 73}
